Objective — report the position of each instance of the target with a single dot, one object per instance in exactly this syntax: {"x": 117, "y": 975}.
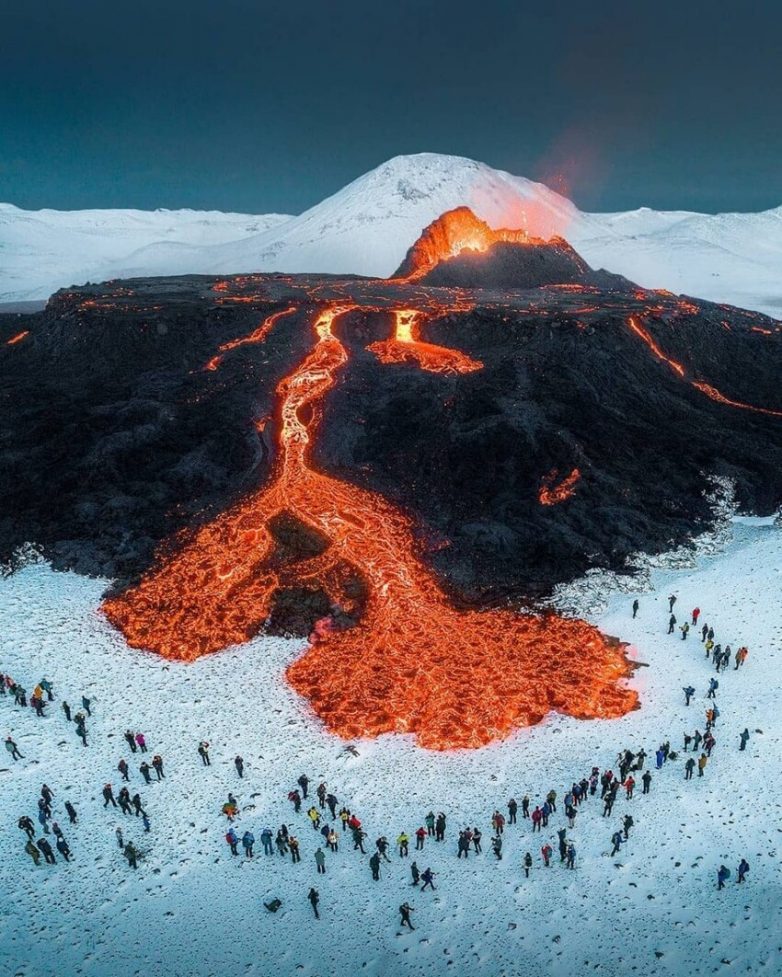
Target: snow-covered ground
{"x": 367, "y": 227}
{"x": 191, "y": 909}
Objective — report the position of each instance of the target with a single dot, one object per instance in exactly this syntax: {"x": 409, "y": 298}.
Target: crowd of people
{"x": 334, "y": 822}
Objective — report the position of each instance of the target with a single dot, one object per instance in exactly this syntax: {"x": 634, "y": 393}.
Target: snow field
{"x": 192, "y": 909}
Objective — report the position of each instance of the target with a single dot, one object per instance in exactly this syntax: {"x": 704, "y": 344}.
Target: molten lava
{"x": 413, "y": 663}
{"x": 551, "y": 492}
{"x": 452, "y": 233}
{"x": 406, "y": 347}
{"x": 17, "y": 338}
{"x": 256, "y": 336}
{"x": 705, "y": 388}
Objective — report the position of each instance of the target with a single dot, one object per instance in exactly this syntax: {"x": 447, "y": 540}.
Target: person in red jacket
{"x": 419, "y": 839}
{"x": 696, "y": 613}
{"x": 537, "y": 817}
{"x": 545, "y": 851}
{"x": 628, "y": 785}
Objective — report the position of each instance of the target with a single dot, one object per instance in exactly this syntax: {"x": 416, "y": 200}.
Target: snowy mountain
{"x": 43, "y": 250}
{"x": 367, "y": 227}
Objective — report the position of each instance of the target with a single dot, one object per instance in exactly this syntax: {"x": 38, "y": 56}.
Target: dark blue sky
{"x": 257, "y": 106}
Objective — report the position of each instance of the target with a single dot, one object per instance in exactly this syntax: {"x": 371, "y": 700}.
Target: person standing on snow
{"x": 723, "y": 874}
{"x": 248, "y": 840}
{"x": 71, "y": 811}
{"x": 744, "y": 739}
{"x": 404, "y": 912}
{"x": 304, "y": 783}
{"x": 689, "y": 692}
{"x": 713, "y": 686}
{"x": 239, "y": 764}
{"x": 203, "y": 752}
{"x": 671, "y": 623}
{"x": 696, "y": 613}
{"x": 131, "y": 854}
{"x": 320, "y": 861}
{"x": 67, "y": 710}
{"x": 122, "y": 766}
{"x": 13, "y": 749}
{"x": 420, "y": 835}
{"x": 374, "y": 864}
{"x": 743, "y": 869}
{"x": 617, "y": 839}
{"x": 646, "y": 779}
{"x": 130, "y": 737}
{"x": 636, "y": 605}
{"x": 314, "y": 897}
{"x": 415, "y": 873}
{"x": 545, "y": 851}
{"x": 671, "y": 602}
{"x": 571, "y": 855}
{"x": 527, "y": 864}
{"x": 685, "y": 630}
{"x": 702, "y": 761}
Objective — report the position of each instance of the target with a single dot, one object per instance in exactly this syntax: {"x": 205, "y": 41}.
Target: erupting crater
{"x": 412, "y": 663}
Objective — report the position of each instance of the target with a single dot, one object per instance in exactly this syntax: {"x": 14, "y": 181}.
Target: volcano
{"x": 386, "y": 465}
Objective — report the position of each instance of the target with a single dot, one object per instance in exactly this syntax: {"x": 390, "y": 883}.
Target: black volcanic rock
{"x": 114, "y": 438}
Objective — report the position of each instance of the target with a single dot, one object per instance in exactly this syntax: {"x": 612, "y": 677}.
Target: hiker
{"x": 689, "y": 692}
{"x": 303, "y": 782}
{"x": 358, "y": 839}
{"x": 404, "y": 912}
{"x": 120, "y": 839}
{"x": 131, "y": 854}
{"x": 660, "y": 758}
{"x": 229, "y": 809}
{"x": 145, "y": 822}
{"x": 137, "y": 806}
{"x": 402, "y": 842}
{"x": 744, "y": 739}
{"x": 332, "y": 840}
{"x": 26, "y": 825}
{"x": 144, "y": 769}
{"x": 743, "y": 869}
{"x": 439, "y": 827}
{"x": 617, "y": 839}
{"x": 741, "y": 657}
{"x": 571, "y": 855}
{"x": 546, "y": 851}
{"x": 702, "y": 761}
{"x": 320, "y": 793}
{"x": 512, "y": 809}
{"x": 527, "y": 864}
{"x": 295, "y": 798}
{"x": 248, "y": 840}
{"x": 537, "y": 817}
{"x": 203, "y": 752}
{"x": 239, "y": 764}
{"x": 704, "y": 632}
{"x": 629, "y": 786}
{"x": 33, "y": 851}
{"x": 131, "y": 740}
{"x": 525, "y": 806}
{"x": 81, "y": 728}
{"x": 314, "y": 898}
{"x": 85, "y": 704}
{"x": 636, "y": 605}
{"x": 671, "y": 623}
{"x": 696, "y": 613}
{"x": 374, "y": 864}
{"x": 429, "y": 822}
{"x": 46, "y": 850}
{"x": 415, "y": 873}
{"x": 723, "y": 874}
{"x": 293, "y": 845}
{"x": 314, "y": 817}
{"x": 689, "y": 766}
{"x": 428, "y": 879}
{"x": 157, "y": 763}
{"x": 122, "y": 766}
{"x": 646, "y": 780}
{"x": 498, "y": 822}
{"x": 108, "y": 796}
{"x": 331, "y": 803}
{"x": 63, "y": 849}
{"x": 476, "y": 840}
{"x": 266, "y": 840}
{"x": 382, "y": 846}
{"x": 463, "y": 845}
{"x": 66, "y": 709}
{"x": 685, "y": 630}
{"x": 627, "y": 823}
{"x": 282, "y": 843}
{"x": 713, "y": 686}
{"x": 320, "y": 861}
{"x": 71, "y": 811}
{"x": 13, "y": 749}
{"x": 420, "y": 834}
{"x": 496, "y": 846}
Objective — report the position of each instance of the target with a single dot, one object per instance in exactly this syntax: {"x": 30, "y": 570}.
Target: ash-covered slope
{"x": 585, "y": 426}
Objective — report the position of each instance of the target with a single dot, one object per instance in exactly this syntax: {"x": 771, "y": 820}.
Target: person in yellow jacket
{"x": 314, "y": 815}
{"x": 702, "y": 761}
{"x": 402, "y": 843}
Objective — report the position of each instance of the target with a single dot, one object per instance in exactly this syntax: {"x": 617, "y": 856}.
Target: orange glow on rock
{"x": 452, "y": 233}
{"x": 705, "y": 388}
{"x": 413, "y": 663}
{"x": 17, "y": 338}
{"x": 551, "y": 491}
{"x": 406, "y": 347}
{"x": 256, "y": 336}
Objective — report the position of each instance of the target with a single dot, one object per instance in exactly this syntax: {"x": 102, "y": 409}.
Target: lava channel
{"x": 413, "y": 663}
{"x": 406, "y": 347}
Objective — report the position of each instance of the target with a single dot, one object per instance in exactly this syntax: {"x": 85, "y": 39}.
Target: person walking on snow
{"x": 314, "y": 898}
{"x": 646, "y": 780}
{"x": 320, "y": 861}
{"x": 689, "y": 692}
{"x": 696, "y": 613}
{"x": 374, "y": 864}
{"x": 248, "y": 840}
{"x": 130, "y": 737}
{"x": 404, "y": 912}
{"x": 13, "y": 749}
{"x": 636, "y": 605}
{"x": 141, "y": 742}
{"x": 527, "y": 864}
{"x": 131, "y": 854}
{"x": 122, "y": 766}
{"x": 617, "y": 839}
{"x": 743, "y": 869}
{"x": 702, "y": 761}
{"x": 157, "y": 763}
{"x": 203, "y": 752}
{"x": 71, "y": 811}
{"x": 744, "y": 739}
{"x": 685, "y": 630}
{"x": 66, "y": 709}
{"x": 713, "y": 686}
{"x": 144, "y": 770}
{"x": 85, "y": 704}
{"x": 108, "y": 796}
{"x": 239, "y": 764}
{"x": 402, "y": 842}
{"x": 671, "y": 602}
{"x": 545, "y": 851}
{"x": 420, "y": 834}
{"x": 723, "y": 874}
{"x": 571, "y": 855}
{"x": 671, "y": 623}
{"x": 428, "y": 879}
{"x": 303, "y": 782}
{"x": 415, "y": 873}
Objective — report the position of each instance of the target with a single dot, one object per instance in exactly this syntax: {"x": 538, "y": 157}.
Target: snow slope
{"x": 191, "y": 910}
{"x": 367, "y": 227}
{"x": 43, "y": 250}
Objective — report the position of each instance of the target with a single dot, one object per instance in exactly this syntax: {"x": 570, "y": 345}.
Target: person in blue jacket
{"x": 248, "y": 840}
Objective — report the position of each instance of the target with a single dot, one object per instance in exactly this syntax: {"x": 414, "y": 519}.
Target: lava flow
{"x": 406, "y": 347}
{"x": 551, "y": 492}
{"x": 17, "y": 338}
{"x": 413, "y": 663}
{"x": 705, "y": 388}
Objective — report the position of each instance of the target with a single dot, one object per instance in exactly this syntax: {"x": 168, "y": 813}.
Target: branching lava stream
{"x": 413, "y": 663}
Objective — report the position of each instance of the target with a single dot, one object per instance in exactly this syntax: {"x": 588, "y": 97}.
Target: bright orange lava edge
{"x": 413, "y": 664}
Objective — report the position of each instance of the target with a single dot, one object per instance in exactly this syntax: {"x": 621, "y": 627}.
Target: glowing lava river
{"x": 413, "y": 663}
